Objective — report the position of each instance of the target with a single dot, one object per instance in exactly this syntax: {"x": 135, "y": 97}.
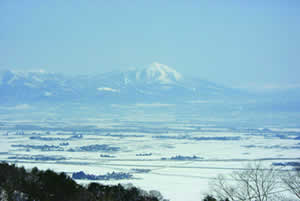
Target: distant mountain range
{"x": 157, "y": 82}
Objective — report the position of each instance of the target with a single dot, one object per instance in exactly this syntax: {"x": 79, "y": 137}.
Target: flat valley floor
{"x": 179, "y": 157}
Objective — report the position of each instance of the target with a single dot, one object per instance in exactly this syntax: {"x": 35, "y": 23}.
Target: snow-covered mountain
{"x": 33, "y": 86}
{"x": 156, "y": 82}
{"x": 158, "y": 73}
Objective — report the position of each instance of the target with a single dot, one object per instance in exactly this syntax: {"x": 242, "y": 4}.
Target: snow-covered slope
{"x": 158, "y": 73}
{"x": 33, "y": 86}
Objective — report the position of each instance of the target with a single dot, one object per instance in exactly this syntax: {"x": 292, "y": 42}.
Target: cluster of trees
{"x": 181, "y": 158}
{"x": 37, "y": 157}
{"x": 96, "y": 148}
{"x": 39, "y": 147}
{"x": 108, "y": 176}
{"x": 16, "y": 183}
{"x": 256, "y": 183}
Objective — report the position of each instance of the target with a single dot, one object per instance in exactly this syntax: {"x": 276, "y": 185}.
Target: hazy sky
{"x": 230, "y": 42}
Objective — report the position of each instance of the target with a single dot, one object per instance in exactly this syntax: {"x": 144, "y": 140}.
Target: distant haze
{"x": 236, "y": 43}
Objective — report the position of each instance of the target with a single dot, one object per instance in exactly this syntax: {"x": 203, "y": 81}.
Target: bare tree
{"x": 291, "y": 179}
{"x": 252, "y": 183}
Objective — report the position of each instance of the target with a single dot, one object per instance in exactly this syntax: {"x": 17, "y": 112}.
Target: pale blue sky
{"x": 236, "y": 43}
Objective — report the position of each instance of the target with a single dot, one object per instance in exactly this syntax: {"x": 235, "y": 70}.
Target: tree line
{"x": 19, "y": 184}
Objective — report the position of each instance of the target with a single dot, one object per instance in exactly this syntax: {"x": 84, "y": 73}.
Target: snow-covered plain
{"x": 220, "y": 149}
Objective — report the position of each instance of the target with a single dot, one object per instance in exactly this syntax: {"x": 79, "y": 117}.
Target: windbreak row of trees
{"x": 256, "y": 183}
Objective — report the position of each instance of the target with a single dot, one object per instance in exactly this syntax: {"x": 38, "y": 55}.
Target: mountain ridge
{"x": 155, "y": 82}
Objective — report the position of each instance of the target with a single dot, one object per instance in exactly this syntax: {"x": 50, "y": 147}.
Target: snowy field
{"x": 138, "y": 141}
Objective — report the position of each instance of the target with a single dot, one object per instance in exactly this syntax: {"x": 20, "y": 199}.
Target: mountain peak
{"x": 160, "y": 73}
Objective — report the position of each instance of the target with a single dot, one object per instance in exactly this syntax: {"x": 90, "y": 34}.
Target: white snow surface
{"x": 157, "y": 72}
{"x": 47, "y": 93}
{"x": 108, "y": 89}
{"x": 176, "y": 180}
